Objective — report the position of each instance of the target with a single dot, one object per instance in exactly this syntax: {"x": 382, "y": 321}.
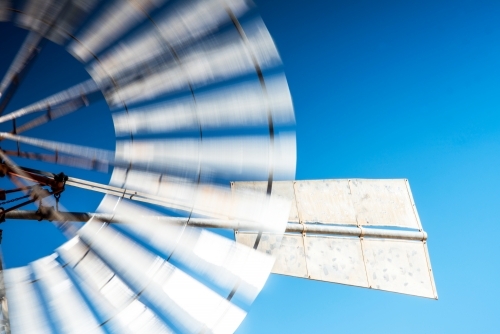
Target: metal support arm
{"x": 323, "y": 229}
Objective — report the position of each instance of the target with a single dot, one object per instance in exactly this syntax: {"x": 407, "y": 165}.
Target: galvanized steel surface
{"x": 348, "y": 201}
{"x": 383, "y": 264}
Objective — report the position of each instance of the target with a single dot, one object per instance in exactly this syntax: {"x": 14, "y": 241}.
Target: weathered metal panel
{"x": 333, "y": 259}
{"x": 325, "y": 201}
{"x": 383, "y": 203}
{"x": 283, "y": 189}
{"x": 288, "y": 250}
{"x": 360, "y": 202}
{"x": 398, "y": 266}
{"x": 384, "y": 264}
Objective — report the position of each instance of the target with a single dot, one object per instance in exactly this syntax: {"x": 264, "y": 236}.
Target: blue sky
{"x": 382, "y": 89}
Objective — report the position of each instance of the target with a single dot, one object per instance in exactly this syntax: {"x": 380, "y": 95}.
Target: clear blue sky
{"x": 382, "y": 89}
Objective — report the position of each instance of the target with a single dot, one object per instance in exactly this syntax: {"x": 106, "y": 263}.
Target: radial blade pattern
{"x": 27, "y": 51}
{"x": 217, "y": 59}
{"x": 231, "y": 157}
{"x": 66, "y": 305}
{"x": 187, "y": 303}
{"x": 78, "y": 92}
{"x": 100, "y": 155}
{"x": 115, "y": 20}
{"x": 5, "y": 5}
{"x": 24, "y": 303}
{"x": 199, "y": 100}
{"x": 218, "y": 259}
{"x": 183, "y": 24}
{"x": 118, "y": 306}
{"x": 242, "y": 105}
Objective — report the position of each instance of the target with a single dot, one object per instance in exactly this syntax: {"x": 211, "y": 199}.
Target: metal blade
{"x": 215, "y": 258}
{"x": 78, "y": 92}
{"x": 5, "y": 13}
{"x": 243, "y": 105}
{"x": 189, "y": 305}
{"x": 24, "y": 303}
{"x": 100, "y": 155}
{"x": 67, "y": 307}
{"x": 205, "y": 63}
{"x": 13, "y": 76}
{"x": 230, "y": 157}
{"x": 181, "y": 24}
{"x": 61, "y": 160}
{"x": 119, "y": 306}
{"x": 114, "y": 21}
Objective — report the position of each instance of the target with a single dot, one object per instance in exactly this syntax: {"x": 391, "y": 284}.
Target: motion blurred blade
{"x": 230, "y": 157}
{"x": 51, "y": 115}
{"x": 184, "y": 23}
{"x": 187, "y": 303}
{"x": 99, "y": 155}
{"x": 70, "y": 18}
{"x": 26, "y": 311}
{"x": 77, "y": 92}
{"x": 114, "y": 21}
{"x": 219, "y": 260}
{"x": 40, "y": 15}
{"x": 5, "y": 12}
{"x": 66, "y": 305}
{"x": 25, "y": 53}
{"x": 118, "y": 305}
{"x": 205, "y": 63}
{"x": 61, "y": 160}
{"x": 242, "y": 105}
{"x": 252, "y": 207}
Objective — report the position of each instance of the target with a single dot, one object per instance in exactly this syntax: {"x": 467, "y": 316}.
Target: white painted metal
{"x": 24, "y": 303}
{"x": 190, "y": 305}
{"x": 359, "y": 202}
{"x": 382, "y": 264}
{"x": 118, "y": 306}
{"x": 65, "y": 304}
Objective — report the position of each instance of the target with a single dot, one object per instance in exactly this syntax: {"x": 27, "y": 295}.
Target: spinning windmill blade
{"x": 205, "y": 144}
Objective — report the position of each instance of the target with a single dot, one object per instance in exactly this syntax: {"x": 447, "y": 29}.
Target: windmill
{"x": 201, "y": 73}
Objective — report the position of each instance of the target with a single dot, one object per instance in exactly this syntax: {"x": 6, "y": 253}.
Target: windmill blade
{"x": 17, "y": 68}
{"x": 390, "y": 260}
{"x": 230, "y": 157}
{"x": 114, "y": 21}
{"x": 218, "y": 259}
{"x": 100, "y": 155}
{"x": 26, "y": 311}
{"x": 61, "y": 159}
{"x": 205, "y": 63}
{"x": 187, "y": 303}
{"x": 77, "y": 92}
{"x": 71, "y": 16}
{"x": 243, "y": 105}
{"x": 184, "y": 23}
{"x": 67, "y": 307}
{"x": 40, "y": 15}
{"x": 52, "y": 114}
{"x": 5, "y": 12}
{"x": 119, "y": 307}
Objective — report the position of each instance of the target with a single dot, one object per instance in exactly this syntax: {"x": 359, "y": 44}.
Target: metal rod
{"x": 321, "y": 229}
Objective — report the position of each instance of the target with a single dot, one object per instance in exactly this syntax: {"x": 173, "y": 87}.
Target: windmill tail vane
{"x": 201, "y": 204}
